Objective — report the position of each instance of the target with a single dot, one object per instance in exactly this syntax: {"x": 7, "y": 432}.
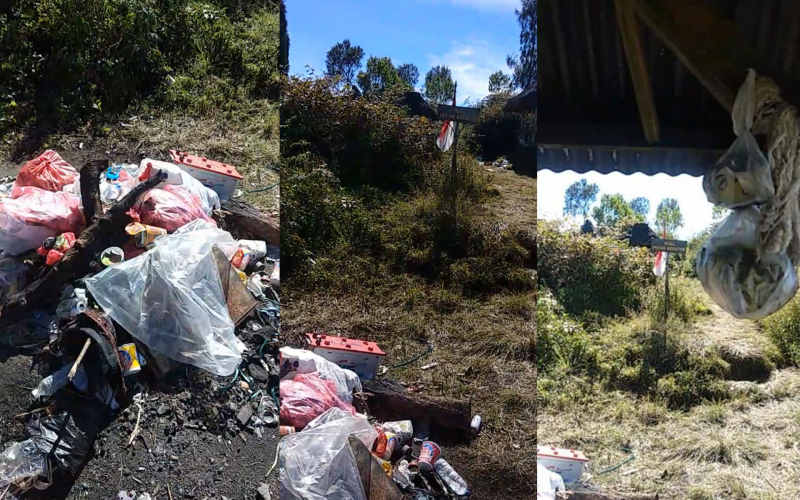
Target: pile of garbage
{"x": 329, "y": 450}
{"x": 177, "y": 291}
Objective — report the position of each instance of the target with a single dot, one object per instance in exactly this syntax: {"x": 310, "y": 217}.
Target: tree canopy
{"x": 579, "y": 197}
{"x": 408, "y": 73}
{"x": 641, "y": 206}
{"x": 525, "y": 65}
{"x": 439, "y": 85}
{"x": 499, "y": 82}
{"x": 344, "y": 60}
{"x": 613, "y": 209}
{"x": 379, "y": 76}
{"x": 668, "y": 216}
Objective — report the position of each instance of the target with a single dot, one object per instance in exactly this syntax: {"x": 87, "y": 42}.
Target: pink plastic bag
{"x": 305, "y": 397}
{"x": 36, "y": 214}
{"x": 169, "y": 207}
{"x": 47, "y": 171}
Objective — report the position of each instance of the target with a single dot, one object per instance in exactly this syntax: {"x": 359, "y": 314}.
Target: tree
{"x": 439, "y": 84}
{"x": 499, "y": 82}
{"x": 579, "y": 197}
{"x": 641, "y": 206}
{"x": 344, "y": 60}
{"x": 525, "y": 66}
{"x": 408, "y": 73}
{"x": 379, "y": 76}
{"x": 613, "y": 209}
{"x": 668, "y": 216}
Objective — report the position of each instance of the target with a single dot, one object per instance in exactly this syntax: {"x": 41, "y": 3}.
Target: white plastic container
{"x": 568, "y": 464}
{"x": 360, "y": 356}
{"x": 220, "y": 177}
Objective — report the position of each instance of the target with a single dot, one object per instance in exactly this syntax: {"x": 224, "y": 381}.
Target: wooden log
{"x": 105, "y": 230}
{"x": 245, "y": 221}
{"x": 389, "y": 402}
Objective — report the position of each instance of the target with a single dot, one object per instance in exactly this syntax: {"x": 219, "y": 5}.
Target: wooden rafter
{"x": 637, "y": 65}
{"x": 561, "y": 47}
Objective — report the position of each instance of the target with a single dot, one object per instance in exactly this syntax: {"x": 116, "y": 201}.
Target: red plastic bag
{"x": 36, "y": 214}
{"x": 305, "y": 397}
{"x": 169, "y": 207}
{"x": 47, "y": 171}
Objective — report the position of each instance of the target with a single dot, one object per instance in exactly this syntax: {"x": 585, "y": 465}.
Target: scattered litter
{"x": 429, "y": 366}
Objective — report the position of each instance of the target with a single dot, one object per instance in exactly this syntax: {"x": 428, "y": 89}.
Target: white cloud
{"x": 471, "y": 63}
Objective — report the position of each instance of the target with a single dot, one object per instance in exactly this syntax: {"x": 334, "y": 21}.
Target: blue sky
{"x": 687, "y": 190}
{"x": 471, "y": 37}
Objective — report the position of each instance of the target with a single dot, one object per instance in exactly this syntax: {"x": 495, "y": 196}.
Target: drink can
{"x": 428, "y": 454}
{"x": 129, "y": 359}
{"x": 287, "y": 429}
{"x": 391, "y": 444}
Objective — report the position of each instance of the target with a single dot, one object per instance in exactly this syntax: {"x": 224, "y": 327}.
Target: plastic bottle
{"x": 451, "y": 478}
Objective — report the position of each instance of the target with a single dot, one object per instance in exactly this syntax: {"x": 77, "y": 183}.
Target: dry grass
{"x": 744, "y": 447}
{"x": 483, "y": 347}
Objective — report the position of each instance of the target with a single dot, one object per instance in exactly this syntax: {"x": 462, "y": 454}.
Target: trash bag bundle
{"x": 317, "y": 463}
{"x": 176, "y": 176}
{"x": 36, "y": 214}
{"x": 168, "y": 207}
{"x": 47, "y": 171}
{"x": 742, "y": 176}
{"x": 307, "y": 396}
{"x": 742, "y": 280}
{"x": 171, "y": 299}
{"x": 294, "y": 361}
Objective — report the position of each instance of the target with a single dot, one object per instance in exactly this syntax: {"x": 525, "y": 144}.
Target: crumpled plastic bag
{"x": 47, "y": 171}
{"x": 114, "y": 189}
{"x": 176, "y": 176}
{"x": 36, "y": 214}
{"x": 317, "y": 463}
{"x": 547, "y": 483}
{"x": 306, "y": 396}
{"x": 20, "y": 461}
{"x": 294, "y": 361}
{"x": 60, "y": 437}
{"x": 742, "y": 176}
{"x": 168, "y": 207}
{"x": 741, "y": 281}
{"x": 171, "y": 299}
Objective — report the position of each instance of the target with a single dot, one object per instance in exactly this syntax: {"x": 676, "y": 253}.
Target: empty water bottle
{"x": 455, "y": 483}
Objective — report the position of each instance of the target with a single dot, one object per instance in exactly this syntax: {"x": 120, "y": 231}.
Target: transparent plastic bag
{"x": 742, "y": 176}
{"x": 307, "y": 396}
{"x": 743, "y": 281}
{"x": 168, "y": 207}
{"x": 317, "y": 463}
{"x": 294, "y": 361}
{"x": 547, "y": 483}
{"x": 35, "y": 215}
{"x": 209, "y": 199}
{"x": 20, "y": 461}
{"x": 171, "y": 299}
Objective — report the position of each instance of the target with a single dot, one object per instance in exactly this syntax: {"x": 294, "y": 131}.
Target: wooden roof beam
{"x": 708, "y": 45}
{"x": 637, "y": 65}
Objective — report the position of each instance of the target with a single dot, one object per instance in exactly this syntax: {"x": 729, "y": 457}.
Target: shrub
{"x": 496, "y": 132}
{"x": 783, "y": 328}
{"x": 561, "y": 343}
{"x": 685, "y": 302}
{"x": 599, "y": 274}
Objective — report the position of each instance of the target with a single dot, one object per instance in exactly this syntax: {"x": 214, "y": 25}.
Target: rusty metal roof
{"x": 587, "y": 105}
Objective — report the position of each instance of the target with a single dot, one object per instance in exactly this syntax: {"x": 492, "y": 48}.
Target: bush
{"x": 496, "y": 133}
{"x": 561, "y": 343}
{"x": 685, "y": 303}
{"x": 363, "y": 141}
{"x": 783, "y": 328}
{"x": 592, "y": 274}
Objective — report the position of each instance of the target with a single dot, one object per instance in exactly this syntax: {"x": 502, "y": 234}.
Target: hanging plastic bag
{"x": 173, "y": 299}
{"x": 742, "y": 280}
{"x": 35, "y": 215}
{"x": 294, "y": 361}
{"x": 742, "y": 176}
{"x": 317, "y": 463}
{"x": 307, "y": 396}
{"x": 168, "y": 207}
{"x": 47, "y": 171}
{"x": 547, "y": 483}
{"x": 176, "y": 176}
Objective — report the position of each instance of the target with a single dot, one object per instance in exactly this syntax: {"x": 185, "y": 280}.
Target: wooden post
{"x": 454, "y": 164}
{"x": 666, "y": 295}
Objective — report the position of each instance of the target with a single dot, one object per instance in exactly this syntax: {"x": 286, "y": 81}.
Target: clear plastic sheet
{"x": 317, "y": 463}
{"x": 171, "y": 299}
{"x": 741, "y": 279}
{"x": 294, "y": 361}
{"x": 742, "y": 176}
{"x": 20, "y": 461}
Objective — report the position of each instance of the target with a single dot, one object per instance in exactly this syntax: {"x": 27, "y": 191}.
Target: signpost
{"x": 459, "y": 113}
{"x": 668, "y": 247}
{"x": 456, "y": 114}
